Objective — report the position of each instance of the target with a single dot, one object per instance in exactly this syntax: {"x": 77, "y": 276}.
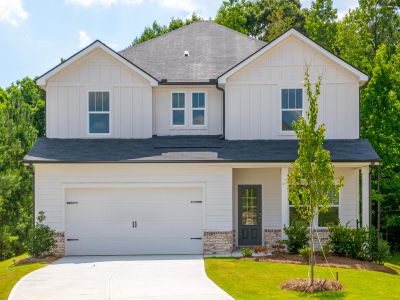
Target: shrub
{"x": 305, "y": 253}
{"x": 279, "y": 246}
{"x": 379, "y": 250}
{"x": 381, "y": 253}
{"x": 246, "y": 252}
{"x": 346, "y": 241}
{"x": 260, "y": 249}
{"x": 41, "y": 241}
{"x": 298, "y": 236}
{"x": 360, "y": 243}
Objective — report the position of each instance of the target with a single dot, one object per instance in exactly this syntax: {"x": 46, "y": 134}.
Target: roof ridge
{"x": 235, "y": 31}
{"x": 162, "y": 36}
{"x": 191, "y": 24}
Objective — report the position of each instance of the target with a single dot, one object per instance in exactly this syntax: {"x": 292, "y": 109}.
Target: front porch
{"x": 261, "y": 209}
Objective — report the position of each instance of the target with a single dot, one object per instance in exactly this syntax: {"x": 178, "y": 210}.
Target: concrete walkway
{"x": 120, "y": 277}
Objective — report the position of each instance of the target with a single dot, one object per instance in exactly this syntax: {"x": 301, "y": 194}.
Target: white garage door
{"x": 119, "y": 221}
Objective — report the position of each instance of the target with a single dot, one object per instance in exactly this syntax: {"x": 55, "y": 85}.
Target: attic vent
{"x": 186, "y": 53}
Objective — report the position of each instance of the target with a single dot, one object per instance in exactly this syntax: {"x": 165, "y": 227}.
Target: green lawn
{"x": 10, "y": 274}
{"x": 394, "y": 262}
{"x": 261, "y": 280}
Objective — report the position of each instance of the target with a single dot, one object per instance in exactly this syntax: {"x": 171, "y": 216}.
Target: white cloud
{"x": 84, "y": 39}
{"x": 184, "y": 5}
{"x": 12, "y": 12}
{"x": 105, "y": 3}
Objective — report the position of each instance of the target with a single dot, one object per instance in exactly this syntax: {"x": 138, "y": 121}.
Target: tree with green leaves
{"x": 380, "y": 119}
{"x": 17, "y": 136}
{"x": 320, "y": 23}
{"x": 157, "y": 30}
{"x": 365, "y": 28}
{"x": 274, "y": 17}
{"x": 312, "y": 178}
{"x": 238, "y": 15}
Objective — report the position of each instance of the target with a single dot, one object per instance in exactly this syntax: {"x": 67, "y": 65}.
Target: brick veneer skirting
{"x": 271, "y": 236}
{"x": 59, "y": 250}
{"x": 218, "y": 242}
{"x": 323, "y": 236}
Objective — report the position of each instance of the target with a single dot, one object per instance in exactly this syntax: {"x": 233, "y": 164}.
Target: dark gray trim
{"x": 178, "y": 161}
{"x": 223, "y": 109}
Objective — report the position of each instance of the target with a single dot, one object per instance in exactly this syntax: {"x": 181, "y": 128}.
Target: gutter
{"x": 223, "y": 109}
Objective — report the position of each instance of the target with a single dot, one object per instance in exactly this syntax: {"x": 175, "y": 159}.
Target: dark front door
{"x": 249, "y": 215}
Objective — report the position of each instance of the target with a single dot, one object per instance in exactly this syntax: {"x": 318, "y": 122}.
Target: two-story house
{"x": 182, "y": 144}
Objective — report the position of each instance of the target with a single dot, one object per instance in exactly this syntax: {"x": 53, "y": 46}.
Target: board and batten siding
{"x": 67, "y": 99}
{"x": 253, "y": 94}
{"x": 51, "y": 181}
{"x": 270, "y": 181}
{"x": 162, "y": 111}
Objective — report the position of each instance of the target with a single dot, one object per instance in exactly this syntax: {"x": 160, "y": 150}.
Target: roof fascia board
{"x": 363, "y": 78}
{"x": 42, "y": 80}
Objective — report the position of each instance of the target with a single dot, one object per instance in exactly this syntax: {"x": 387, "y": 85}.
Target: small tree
{"x": 42, "y": 240}
{"x": 312, "y": 178}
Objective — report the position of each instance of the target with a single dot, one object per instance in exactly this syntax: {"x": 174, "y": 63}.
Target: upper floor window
{"x": 99, "y": 112}
{"x": 178, "y": 109}
{"x": 291, "y": 106}
{"x": 198, "y": 108}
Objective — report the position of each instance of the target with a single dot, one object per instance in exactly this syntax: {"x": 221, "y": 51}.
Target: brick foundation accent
{"x": 271, "y": 236}
{"x": 218, "y": 242}
{"x": 323, "y": 236}
{"x": 59, "y": 250}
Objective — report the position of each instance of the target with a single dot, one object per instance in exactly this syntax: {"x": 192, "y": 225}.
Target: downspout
{"x": 223, "y": 109}
{"x": 33, "y": 194}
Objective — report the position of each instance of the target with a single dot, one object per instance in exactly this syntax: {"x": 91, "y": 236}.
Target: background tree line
{"x": 368, "y": 37}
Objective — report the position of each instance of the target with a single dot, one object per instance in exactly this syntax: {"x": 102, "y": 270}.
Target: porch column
{"x": 284, "y": 198}
{"x": 365, "y": 195}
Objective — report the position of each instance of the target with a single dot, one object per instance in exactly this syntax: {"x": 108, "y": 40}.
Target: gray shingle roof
{"x": 188, "y": 148}
{"x": 213, "y": 49}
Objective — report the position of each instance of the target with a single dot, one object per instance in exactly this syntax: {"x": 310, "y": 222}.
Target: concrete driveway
{"x": 120, "y": 277}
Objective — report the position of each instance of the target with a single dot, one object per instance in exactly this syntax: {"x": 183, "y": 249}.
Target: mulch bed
{"x": 303, "y": 285}
{"x": 334, "y": 261}
{"x": 34, "y": 260}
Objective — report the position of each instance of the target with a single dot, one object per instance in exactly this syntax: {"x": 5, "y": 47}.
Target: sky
{"x": 35, "y": 34}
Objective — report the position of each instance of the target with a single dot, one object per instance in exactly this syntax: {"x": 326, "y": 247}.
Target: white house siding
{"x": 162, "y": 121}
{"x": 269, "y": 179}
{"x": 216, "y": 181}
{"x": 253, "y": 94}
{"x": 67, "y": 99}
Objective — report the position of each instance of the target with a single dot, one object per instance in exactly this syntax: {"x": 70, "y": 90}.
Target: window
{"x": 292, "y": 107}
{"x": 178, "y": 109}
{"x": 325, "y": 219}
{"x": 331, "y": 217}
{"x": 198, "y": 108}
{"x": 99, "y": 112}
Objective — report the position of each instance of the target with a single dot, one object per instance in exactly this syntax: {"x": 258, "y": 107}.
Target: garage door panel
{"x": 101, "y": 222}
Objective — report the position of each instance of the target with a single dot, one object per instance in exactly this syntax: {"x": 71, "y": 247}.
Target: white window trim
{"x": 303, "y": 114}
{"x": 173, "y": 126}
{"x": 339, "y": 205}
{"x": 99, "y": 112}
{"x": 200, "y": 126}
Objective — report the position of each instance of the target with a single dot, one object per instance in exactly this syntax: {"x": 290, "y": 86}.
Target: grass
{"x": 10, "y": 274}
{"x": 260, "y": 280}
{"x": 394, "y": 262}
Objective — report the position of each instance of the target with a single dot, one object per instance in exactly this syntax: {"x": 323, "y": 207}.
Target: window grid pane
{"x": 198, "y": 117}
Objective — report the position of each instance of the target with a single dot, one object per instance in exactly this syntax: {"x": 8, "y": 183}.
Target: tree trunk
{"x": 311, "y": 254}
